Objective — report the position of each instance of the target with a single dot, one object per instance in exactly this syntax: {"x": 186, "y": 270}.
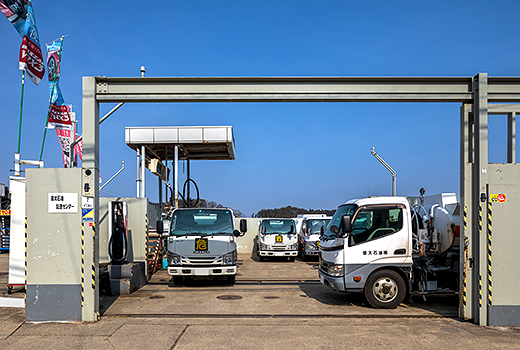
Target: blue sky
{"x": 311, "y": 155}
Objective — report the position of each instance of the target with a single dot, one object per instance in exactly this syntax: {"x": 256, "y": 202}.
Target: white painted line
{"x": 12, "y": 302}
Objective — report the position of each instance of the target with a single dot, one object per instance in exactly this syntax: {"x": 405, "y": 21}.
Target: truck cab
{"x": 277, "y": 238}
{"x": 367, "y": 248}
{"x": 203, "y": 243}
{"x": 312, "y": 227}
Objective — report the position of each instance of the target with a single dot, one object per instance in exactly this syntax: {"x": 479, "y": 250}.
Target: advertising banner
{"x": 20, "y": 13}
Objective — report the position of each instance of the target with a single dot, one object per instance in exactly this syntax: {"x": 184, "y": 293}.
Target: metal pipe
{"x": 120, "y": 170}
{"x": 176, "y": 176}
{"x": 392, "y": 171}
{"x": 143, "y": 167}
{"x": 187, "y": 199}
{"x": 138, "y": 180}
{"x": 111, "y": 112}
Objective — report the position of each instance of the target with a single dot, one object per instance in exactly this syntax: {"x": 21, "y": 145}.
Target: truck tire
{"x": 231, "y": 279}
{"x": 177, "y": 281}
{"x": 260, "y": 257}
{"x": 385, "y": 289}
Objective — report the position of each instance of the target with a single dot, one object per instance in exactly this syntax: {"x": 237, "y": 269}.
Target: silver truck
{"x": 203, "y": 243}
{"x": 311, "y": 229}
{"x": 277, "y": 238}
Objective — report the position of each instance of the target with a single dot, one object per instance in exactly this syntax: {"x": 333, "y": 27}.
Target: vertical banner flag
{"x": 59, "y": 113}
{"x": 20, "y": 13}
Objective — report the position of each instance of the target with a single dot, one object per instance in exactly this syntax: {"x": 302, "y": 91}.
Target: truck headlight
{"x": 229, "y": 259}
{"x": 336, "y": 271}
{"x": 174, "y": 259}
{"x": 264, "y": 246}
{"x": 293, "y": 246}
{"x": 310, "y": 245}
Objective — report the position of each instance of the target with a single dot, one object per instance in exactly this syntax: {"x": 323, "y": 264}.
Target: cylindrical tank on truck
{"x": 391, "y": 247}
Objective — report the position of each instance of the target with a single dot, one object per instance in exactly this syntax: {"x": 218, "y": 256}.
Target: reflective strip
{"x": 94, "y": 249}
{"x": 490, "y": 281}
{"x": 82, "y": 264}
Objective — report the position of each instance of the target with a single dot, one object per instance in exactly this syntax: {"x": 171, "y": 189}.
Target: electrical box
{"x": 88, "y": 183}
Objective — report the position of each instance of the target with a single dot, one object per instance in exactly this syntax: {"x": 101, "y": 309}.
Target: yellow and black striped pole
{"x": 480, "y": 290}
{"x": 480, "y": 274}
{"x": 490, "y": 282}
{"x": 93, "y": 265}
{"x": 146, "y": 242}
{"x": 82, "y": 264}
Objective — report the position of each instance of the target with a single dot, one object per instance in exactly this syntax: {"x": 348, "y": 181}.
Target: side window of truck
{"x": 374, "y": 222}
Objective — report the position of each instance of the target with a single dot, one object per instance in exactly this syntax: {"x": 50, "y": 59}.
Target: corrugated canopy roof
{"x": 195, "y": 142}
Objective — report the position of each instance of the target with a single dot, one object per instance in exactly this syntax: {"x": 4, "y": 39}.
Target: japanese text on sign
{"x": 63, "y": 203}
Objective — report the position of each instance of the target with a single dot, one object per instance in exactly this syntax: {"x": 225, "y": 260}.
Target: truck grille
{"x": 278, "y": 247}
{"x": 324, "y": 267}
{"x": 201, "y": 260}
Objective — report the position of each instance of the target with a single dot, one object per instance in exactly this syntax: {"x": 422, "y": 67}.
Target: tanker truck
{"x": 389, "y": 248}
{"x": 202, "y": 243}
{"x": 277, "y": 238}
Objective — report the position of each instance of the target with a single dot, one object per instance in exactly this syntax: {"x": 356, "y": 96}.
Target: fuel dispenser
{"x": 117, "y": 230}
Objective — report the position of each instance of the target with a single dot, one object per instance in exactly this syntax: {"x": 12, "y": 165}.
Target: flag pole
{"x": 17, "y": 154}
{"x": 50, "y": 100}
{"x": 21, "y": 109}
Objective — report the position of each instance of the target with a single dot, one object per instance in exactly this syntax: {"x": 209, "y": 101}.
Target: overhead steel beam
{"x": 303, "y": 89}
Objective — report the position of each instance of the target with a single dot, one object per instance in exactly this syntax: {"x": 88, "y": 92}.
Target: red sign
{"x": 5, "y": 212}
{"x": 60, "y": 116}
{"x": 31, "y": 59}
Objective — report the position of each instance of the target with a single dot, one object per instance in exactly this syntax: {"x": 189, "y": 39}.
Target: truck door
{"x": 380, "y": 235}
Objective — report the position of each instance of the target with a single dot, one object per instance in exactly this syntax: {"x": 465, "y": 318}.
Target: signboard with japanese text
{"x": 63, "y": 203}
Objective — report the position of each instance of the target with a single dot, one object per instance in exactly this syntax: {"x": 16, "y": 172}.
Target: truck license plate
{"x": 279, "y": 239}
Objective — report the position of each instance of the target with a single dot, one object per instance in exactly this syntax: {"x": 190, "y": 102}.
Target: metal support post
{"x": 479, "y": 193}
{"x": 143, "y": 167}
{"x": 176, "y": 176}
{"x": 511, "y": 138}
{"x": 138, "y": 180}
{"x": 91, "y": 166}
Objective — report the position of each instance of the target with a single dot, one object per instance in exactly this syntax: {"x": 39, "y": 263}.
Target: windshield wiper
{"x": 222, "y": 233}
{"x": 191, "y": 234}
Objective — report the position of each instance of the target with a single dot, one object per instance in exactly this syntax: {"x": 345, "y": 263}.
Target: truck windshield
{"x": 196, "y": 222}
{"x": 277, "y": 226}
{"x": 313, "y": 226}
{"x": 347, "y": 209}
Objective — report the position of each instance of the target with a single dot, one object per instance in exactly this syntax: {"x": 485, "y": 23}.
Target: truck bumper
{"x": 278, "y": 252}
{"x": 310, "y": 252}
{"x": 190, "y": 271}
{"x": 335, "y": 283}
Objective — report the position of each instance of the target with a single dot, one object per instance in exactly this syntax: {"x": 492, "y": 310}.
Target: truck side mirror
{"x": 243, "y": 226}
{"x": 292, "y": 229}
{"x": 159, "y": 228}
{"x": 322, "y": 231}
{"x": 236, "y": 233}
{"x": 346, "y": 222}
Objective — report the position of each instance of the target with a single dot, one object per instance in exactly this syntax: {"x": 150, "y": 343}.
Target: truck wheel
{"x": 231, "y": 279}
{"x": 177, "y": 281}
{"x": 385, "y": 289}
{"x": 260, "y": 257}
{"x": 292, "y": 258}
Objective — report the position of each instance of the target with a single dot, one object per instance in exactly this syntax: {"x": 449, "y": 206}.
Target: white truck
{"x": 391, "y": 247}
{"x": 312, "y": 226}
{"x": 203, "y": 243}
{"x": 277, "y": 238}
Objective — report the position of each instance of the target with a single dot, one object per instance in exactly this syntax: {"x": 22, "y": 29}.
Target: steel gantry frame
{"x": 477, "y": 91}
